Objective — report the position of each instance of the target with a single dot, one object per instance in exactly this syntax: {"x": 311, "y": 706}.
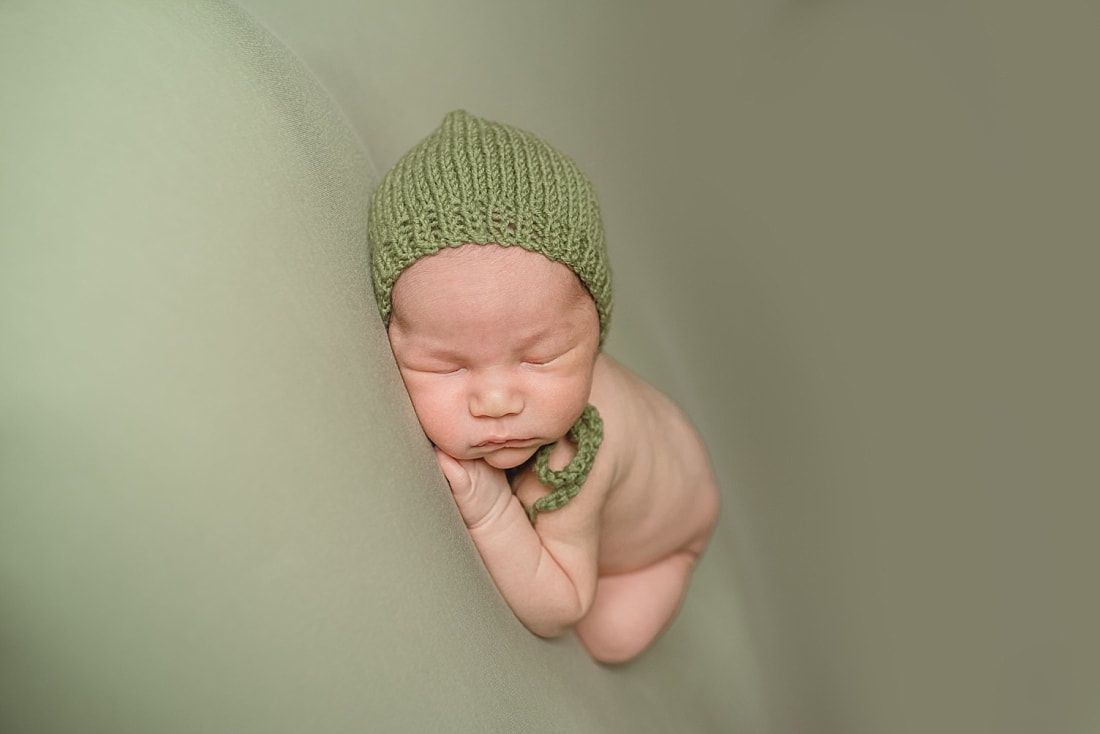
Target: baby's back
{"x": 661, "y": 493}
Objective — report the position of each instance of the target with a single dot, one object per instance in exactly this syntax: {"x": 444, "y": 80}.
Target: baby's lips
{"x": 505, "y": 443}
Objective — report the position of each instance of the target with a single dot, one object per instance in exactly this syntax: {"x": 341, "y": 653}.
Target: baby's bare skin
{"x": 499, "y": 350}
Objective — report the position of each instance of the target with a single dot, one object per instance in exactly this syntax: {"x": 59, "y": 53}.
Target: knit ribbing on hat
{"x": 587, "y": 433}
{"x": 481, "y": 182}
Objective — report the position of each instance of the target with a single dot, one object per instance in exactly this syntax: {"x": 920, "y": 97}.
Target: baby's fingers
{"x": 480, "y": 491}
{"x": 456, "y": 474}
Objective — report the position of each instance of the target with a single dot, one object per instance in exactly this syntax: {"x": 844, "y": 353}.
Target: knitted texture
{"x": 473, "y": 181}
{"x": 587, "y": 433}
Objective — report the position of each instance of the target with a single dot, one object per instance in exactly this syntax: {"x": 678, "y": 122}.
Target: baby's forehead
{"x": 461, "y": 292}
{"x": 475, "y": 267}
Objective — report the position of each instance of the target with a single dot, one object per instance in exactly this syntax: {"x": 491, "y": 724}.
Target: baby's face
{"x": 496, "y": 346}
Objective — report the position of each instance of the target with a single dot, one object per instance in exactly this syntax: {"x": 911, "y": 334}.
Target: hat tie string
{"x": 587, "y": 433}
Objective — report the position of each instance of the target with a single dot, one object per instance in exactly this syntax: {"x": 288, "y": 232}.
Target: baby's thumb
{"x": 456, "y": 474}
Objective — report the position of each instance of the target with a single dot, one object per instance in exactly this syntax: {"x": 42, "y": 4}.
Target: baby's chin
{"x": 510, "y": 458}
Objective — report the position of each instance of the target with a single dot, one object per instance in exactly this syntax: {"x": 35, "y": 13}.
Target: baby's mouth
{"x": 506, "y": 443}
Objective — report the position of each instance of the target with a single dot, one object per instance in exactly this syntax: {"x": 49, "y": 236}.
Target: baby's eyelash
{"x": 436, "y": 369}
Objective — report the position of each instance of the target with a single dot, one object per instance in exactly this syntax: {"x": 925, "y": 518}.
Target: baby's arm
{"x": 548, "y": 582}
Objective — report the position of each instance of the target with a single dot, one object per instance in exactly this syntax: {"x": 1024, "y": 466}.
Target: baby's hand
{"x": 481, "y": 492}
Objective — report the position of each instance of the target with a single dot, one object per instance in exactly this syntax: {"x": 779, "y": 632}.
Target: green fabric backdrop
{"x": 854, "y": 239}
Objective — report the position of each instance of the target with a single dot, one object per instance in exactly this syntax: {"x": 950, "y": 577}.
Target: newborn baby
{"x": 586, "y": 491}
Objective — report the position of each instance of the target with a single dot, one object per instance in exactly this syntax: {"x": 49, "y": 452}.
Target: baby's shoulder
{"x": 629, "y": 401}
{"x": 641, "y": 424}
{"x": 619, "y": 394}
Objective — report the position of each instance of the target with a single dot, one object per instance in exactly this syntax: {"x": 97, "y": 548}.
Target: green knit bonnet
{"x": 481, "y": 182}
{"x": 473, "y": 181}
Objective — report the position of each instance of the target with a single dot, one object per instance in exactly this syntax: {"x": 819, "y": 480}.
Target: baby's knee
{"x": 612, "y": 646}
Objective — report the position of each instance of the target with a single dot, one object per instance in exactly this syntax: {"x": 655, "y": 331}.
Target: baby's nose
{"x": 496, "y": 399}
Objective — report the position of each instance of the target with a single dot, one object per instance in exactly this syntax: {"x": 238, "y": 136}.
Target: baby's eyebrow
{"x": 436, "y": 350}
{"x": 540, "y": 334}
{"x": 423, "y": 344}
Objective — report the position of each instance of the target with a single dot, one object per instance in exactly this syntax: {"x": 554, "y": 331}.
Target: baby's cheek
{"x": 567, "y": 398}
{"x": 437, "y": 412}
{"x": 417, "y": 393}
{"x": 425, "y": 390}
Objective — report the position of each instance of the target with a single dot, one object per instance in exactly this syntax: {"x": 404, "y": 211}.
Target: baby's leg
{"x": 631, "y": 609}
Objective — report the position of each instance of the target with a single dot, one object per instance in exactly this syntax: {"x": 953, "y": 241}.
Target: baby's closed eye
{"x": 547, "y": 355}
{"x": 433, "y": 367}
{"x": 540, "y": 361}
